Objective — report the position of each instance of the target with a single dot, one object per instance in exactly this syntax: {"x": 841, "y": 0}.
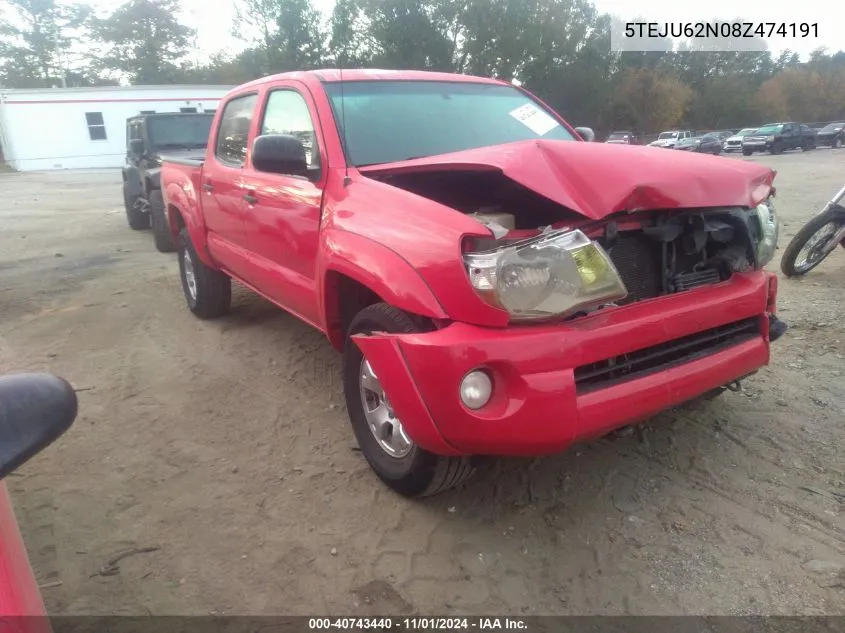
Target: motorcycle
{"x": 816, "y": 240}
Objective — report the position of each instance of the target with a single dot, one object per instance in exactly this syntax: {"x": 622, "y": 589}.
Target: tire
{"x": 138, "y": 220}
{"x": 417, "y": 473}
{"x": 836, "y": 143}
{"x": 788, "y": 262}
{"x": 212, "y": 290}
{"x": 776, "y": 148}
{"x": 746, "y": 152}
{"x": 162, "y": 237}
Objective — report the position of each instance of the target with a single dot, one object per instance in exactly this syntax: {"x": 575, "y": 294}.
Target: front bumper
{"x": 538, "y": 407}
{"x": 757, "y": 146}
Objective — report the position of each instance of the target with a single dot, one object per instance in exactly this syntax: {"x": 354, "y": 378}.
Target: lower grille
{"x": 642, "y": 362}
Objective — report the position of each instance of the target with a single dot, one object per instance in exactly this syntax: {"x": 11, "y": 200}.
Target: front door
{"x": 282, "y": 214}
{"x": 222, "y": 182}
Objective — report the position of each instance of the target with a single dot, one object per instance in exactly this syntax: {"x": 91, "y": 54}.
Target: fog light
{"x": 476, "y": 389}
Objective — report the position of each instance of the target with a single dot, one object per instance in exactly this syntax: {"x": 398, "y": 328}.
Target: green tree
{"x": 35, "y": 41}
{"x": 144, "y": 41}
{"x": 288, "y": 34}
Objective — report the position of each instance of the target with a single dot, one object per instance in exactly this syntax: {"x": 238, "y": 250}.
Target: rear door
{"x": 282, "y": 213}
{"x": 222, "y": 183}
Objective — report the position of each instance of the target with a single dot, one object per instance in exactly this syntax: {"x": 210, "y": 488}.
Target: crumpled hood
{"x": 598, "y": 179}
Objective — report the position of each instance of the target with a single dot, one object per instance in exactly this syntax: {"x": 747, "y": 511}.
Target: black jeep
{"x": 148, "y": 138}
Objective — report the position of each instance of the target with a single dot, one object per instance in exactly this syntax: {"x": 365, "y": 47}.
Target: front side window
{"x": 389, "y": 121}
{"x": 667, "y": 135}
{"x": 96, "y": 126}
{"x": 287, "y": 113}
{"x": 233, "y": 132}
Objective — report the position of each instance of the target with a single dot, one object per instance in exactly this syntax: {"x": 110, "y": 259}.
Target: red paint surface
{"x": 295, "y": 242}
{"x": 535, "y": 408}
{"x": 19, "y": 595}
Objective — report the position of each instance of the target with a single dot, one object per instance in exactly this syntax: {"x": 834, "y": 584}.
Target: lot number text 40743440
{"x": 417, "y": 624}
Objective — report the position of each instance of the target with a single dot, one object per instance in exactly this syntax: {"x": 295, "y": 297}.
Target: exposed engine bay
{"x": 655, "y": 252}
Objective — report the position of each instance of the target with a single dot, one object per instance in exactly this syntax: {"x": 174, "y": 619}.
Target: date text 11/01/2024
{"x": 417, "y": 624}
{"x": 722, "y": 29}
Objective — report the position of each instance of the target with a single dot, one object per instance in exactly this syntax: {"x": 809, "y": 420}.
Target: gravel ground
{"x": 226, "y": 446}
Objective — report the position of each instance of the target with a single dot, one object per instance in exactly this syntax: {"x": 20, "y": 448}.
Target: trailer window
{"x": 96, "y": 126}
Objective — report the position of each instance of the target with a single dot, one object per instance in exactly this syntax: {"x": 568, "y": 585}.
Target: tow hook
{"x": 777, "y": 328}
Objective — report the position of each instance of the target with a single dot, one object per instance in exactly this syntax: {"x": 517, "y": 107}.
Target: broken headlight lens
{"x": 551, "y": 275}
{"x": 769, "y": 230}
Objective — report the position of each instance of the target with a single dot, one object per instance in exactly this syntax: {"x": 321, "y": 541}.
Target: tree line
{"x": 558, "y": 49}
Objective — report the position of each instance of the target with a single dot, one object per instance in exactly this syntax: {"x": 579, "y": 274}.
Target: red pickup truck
{"x": 497, "y": 284}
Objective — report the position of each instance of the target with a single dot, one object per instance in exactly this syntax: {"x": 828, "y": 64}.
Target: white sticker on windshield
{"x": 534, "y": 119}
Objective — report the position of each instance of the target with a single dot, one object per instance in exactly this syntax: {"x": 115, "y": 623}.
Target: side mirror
{"x": 279, "y": 154}
{"x": 35, "y": 409}
{"x": 586, "y": 133}
{"x": 136, "y": 146}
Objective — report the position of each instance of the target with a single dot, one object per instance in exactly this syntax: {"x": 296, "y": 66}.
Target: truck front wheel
{"x": 161, "y": 230}
{"x": 397, "y": 460}
{"x": 138, "y": 220}
{"x": 207, "y": 291}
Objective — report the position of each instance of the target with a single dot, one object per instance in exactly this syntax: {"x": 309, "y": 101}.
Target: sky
{"x": 213, "y": 18}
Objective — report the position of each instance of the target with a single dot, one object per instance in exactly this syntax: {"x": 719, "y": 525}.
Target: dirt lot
{"x": 226, "y": 446}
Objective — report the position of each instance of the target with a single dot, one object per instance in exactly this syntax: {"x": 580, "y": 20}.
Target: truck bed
{"x": 190, "y": 161}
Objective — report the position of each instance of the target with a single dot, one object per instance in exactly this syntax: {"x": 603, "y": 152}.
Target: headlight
{"x": 770, "y": 138}
{"x": 548, "y": 276}
{"x": 769, "y": 230}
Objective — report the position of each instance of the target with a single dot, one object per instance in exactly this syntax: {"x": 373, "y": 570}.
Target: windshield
{"x": 179, "y": 131}
{"x": 618, "y": 136}
{"x": 770, "y": 129}
{"x": 833, "y": 127}
{"x": 389, "y": 121}
{"x": 665, "y": 135}
{"x": 746, "y": 131}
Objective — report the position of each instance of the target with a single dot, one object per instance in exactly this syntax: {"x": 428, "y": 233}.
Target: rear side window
{"x": 234, "y": 130}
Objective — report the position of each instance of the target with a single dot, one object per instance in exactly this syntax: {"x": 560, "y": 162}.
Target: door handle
{"x": 250, "y": 198}
{"x": 207, "y": 186}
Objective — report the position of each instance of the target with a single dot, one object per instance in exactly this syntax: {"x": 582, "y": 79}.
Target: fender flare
{"x": 182, "y": 208}
{"x": 377, "y": 267}
{"x": 153, "y": 179}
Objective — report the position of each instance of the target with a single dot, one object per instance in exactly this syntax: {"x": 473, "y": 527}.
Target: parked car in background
{"x": 779, "y": 137}
{"x": 707, "y": 144}
{"x": 832, "y": 135}
{"x": 669, "y": 138}
{"x": 734, "y": 143}
{"x": 723, "y": 134}
{"x": 496, "y": 284}
{"x": 148, "y": 137}
{"x": 622, "y": 138}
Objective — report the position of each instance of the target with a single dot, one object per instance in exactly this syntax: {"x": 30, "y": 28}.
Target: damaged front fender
{"x": 383, "y": 352}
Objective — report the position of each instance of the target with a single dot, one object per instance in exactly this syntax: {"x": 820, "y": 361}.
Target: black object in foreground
{"x": 35, "y": 410}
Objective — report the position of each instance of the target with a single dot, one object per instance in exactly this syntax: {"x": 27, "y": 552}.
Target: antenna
{"x": 346, "y": 180}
